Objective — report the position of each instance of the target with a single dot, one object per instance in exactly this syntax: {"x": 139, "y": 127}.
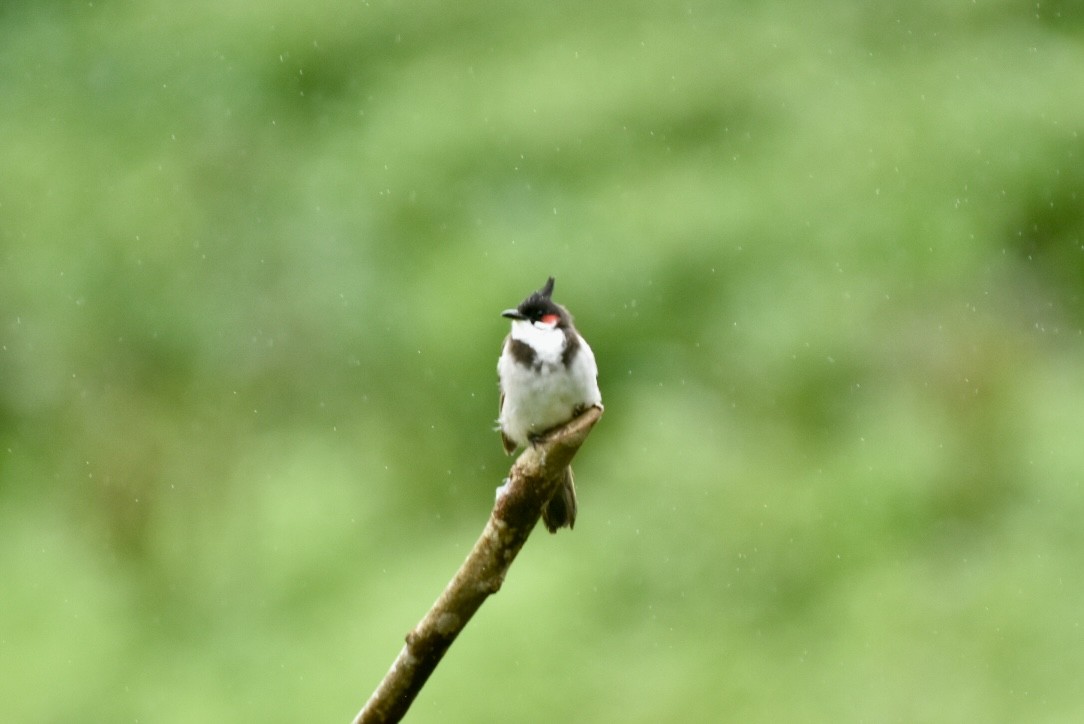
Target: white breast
{"x": 547, "y": 394}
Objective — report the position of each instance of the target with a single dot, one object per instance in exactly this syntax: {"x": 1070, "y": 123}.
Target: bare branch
{"x": 533, "y": 480}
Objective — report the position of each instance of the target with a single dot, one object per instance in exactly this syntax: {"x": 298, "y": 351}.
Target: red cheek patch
{"x": 549, "y": 319}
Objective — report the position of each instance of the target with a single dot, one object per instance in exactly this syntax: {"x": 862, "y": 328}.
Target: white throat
{"x": 548, "y": 343}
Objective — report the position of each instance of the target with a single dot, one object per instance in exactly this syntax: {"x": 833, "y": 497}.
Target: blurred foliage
{"x": 830, "y": 259}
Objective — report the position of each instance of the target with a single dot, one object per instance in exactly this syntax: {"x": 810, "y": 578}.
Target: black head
{"x": 540, "y": 308}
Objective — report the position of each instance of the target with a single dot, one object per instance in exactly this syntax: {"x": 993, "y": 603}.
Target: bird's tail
{"x": 561, "y": 510}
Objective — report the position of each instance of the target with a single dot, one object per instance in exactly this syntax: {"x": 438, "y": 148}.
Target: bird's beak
{"x": 512, "y": 314}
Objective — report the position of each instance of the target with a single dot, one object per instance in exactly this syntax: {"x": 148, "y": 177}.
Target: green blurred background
{"x": 830, "y": 257}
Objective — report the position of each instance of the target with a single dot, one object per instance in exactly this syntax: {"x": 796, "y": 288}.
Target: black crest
{"x": 539, "y": 303}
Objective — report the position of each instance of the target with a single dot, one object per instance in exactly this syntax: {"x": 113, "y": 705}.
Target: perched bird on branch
{"x": 547, "y": 377}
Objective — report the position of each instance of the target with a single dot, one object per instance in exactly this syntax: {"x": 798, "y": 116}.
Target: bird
{"x": 547, "y": 376}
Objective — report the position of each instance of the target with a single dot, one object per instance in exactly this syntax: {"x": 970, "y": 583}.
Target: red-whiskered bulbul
{"x": 547, "y": 377}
